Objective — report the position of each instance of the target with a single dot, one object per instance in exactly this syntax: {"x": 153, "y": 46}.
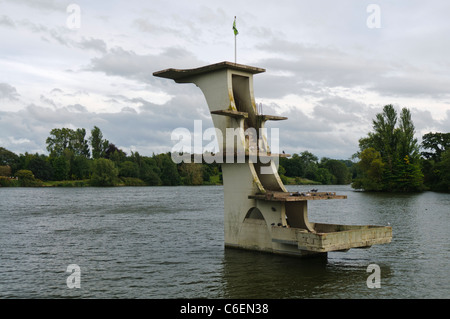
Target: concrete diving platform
{"x": 296, "y": 234}
{"x": 332, "y": 237}
{"x": 259, "y": 212}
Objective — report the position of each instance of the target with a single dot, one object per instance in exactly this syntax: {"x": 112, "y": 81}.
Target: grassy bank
{"x": 298, "y": 181}
{"x": 132, "y": 181}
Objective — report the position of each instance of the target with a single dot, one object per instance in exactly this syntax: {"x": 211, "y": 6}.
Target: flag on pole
{"x": 236, "y": 32}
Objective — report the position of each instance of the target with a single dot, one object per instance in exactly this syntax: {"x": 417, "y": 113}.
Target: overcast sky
{"x": 330, "y": 67}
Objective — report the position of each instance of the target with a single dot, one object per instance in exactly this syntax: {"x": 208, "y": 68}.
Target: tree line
{"x": 389, "y": 160}
{"x": 305, "y": 168}
{"x": 74, "y": 160}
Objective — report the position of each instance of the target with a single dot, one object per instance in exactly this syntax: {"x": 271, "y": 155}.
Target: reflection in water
{"x": 260, "y": 275}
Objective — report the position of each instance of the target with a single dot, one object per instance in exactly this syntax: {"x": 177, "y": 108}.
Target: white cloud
{"x": 326, "y": 70}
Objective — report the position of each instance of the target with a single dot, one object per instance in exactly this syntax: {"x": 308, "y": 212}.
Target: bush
{"x": 61, "y": 168}
{"x": 7, "y": 182}
{"x": 27, "y": 179}
{"x": 129, "y": 169}
{"x": 104, "y": 173}
{"x": 132, "y": 181}
{"x": 5, "y": 170}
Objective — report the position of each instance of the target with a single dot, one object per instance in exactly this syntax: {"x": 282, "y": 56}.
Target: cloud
{"x": 8, "y": 92}
{"x": 326, "y": 70}
{"x": 306, "y": 69}
{"x": 414, "y": 83}
{"x": 7, "y": 21}
{"x": 92, "y": 44}
{"x": 44, "y": 5}
{"x": 140, "y": 125}
{"x": 129, "y": 64}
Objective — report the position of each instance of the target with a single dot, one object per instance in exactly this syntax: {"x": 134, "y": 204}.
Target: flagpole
{"x": 235, "y": 36}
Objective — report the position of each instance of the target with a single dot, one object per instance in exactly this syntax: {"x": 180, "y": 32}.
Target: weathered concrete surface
{"x": 259, "y": 213}
{"x": 343, "y": 237}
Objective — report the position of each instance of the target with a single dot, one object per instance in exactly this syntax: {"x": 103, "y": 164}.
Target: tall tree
{"x": 436, "y": 144}
{"x": 385, "y": 137}
{"x": 58, "y": 141}
{"x": 80, "y": 144}
{"x": 408, "y": 145}
{"x": 436, "y": 162}
{"x": 443, "y": 169}
{"x": 399, "y": 153}
{"x": 98, "y": 144}
{"x": 61, "y": 139}
{"x": 309, "y": 164}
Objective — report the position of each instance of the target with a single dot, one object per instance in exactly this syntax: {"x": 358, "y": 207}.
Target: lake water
{"x": 167, "y": 242}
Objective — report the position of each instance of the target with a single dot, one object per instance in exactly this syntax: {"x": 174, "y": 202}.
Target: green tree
{"x": 309, "y": 165}
{"x": 104, "y": 172}
{"x": 61, "y": 168}
{"x": 61, "y": 139}
{"x": 5, "y": 170}
{"x": 8, "y": 158}
{"x": 80, "y": 144}
{"x": 338, "y": 169}
{"x": 435, "y": 144}
{"x": 398, "y": 150}
{"x": 436, "y": 161}
{"x": 323, "y": 176}
{"x": 293, "y": 165}
{"x": 115, "y": 154}
{"x": 129, "y": 169}
{"x": 27, "y": 179}
{"x": 384, "y": 139}
{"x": 80, "y": 167}
{"x": 169, "y": 172}
{"x": 149, "y": 171}
{"x": 41, "y": 167}
{"x": 443, "y": 170}
{"x": 98, "y": 144}
{"x": 408, "y": 145}
{"x": 371, "y": 169}
{"x": 191, "y": 173}
{"x": 58, "y": 141}
{"x": 407, "y": 176}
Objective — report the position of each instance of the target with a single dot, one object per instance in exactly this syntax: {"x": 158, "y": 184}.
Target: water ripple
{"x": 167, "y": 242}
